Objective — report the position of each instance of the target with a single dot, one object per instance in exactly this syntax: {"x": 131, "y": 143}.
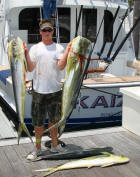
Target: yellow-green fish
{"x": 94, "y": 161}
{"x": 18, "y": 72}
{"x": 77, "y": 64}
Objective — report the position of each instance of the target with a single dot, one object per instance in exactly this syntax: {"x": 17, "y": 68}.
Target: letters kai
{"x": 102, "y": 101}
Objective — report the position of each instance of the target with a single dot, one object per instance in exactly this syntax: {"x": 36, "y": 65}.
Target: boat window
{"x": 89, "y": 26}
{"x": 108, "y": 29}
{"x": 29, "y": 20}
{"x": 64, "y": 24}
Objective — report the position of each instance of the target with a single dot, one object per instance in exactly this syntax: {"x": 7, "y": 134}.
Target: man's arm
{"x": 63, "y": 61}
{"x": 30, "y": 64}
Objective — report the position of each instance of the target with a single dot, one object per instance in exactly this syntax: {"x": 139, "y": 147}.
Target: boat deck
{"x": 122, "y": 79}
{"x": 107, "y": 81}
{"x": 94, "y": 81}
{"x": 123, "y": 142}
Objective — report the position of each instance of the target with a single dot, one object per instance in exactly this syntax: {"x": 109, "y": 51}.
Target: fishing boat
{"x": 100, "y": 101}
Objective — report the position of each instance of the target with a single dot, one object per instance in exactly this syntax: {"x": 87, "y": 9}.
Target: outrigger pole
{"x": 105, "y": 41}
{"x": 115, "y": 38}
{"x": 99, "y": 29}
{"x": 96, "y": 39}
{"x": 78, "y": 22}
{"x": 124, "y": 40}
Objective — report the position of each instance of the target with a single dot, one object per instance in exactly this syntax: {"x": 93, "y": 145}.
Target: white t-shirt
{"x": 47, "y": 76}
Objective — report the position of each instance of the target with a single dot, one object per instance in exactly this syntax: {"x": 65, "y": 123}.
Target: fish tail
{"x": 55, "y": 126}
{"x": 22, "y": 127}
{"x": 53, "y": 170}
{"x": 44, "y": 170}
{"x": 48, "y": 170}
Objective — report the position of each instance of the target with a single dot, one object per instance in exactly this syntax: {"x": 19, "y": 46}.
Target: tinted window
{"x": 89, "y": 25}
{"x": 108, "y": 28}
{"x": 64, "y": 24}
{"x": 29, "y": 20}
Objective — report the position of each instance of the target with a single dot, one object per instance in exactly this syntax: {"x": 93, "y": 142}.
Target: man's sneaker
{"x": 53, "y": 16}
{"x": 57, "y": 149}
{"x": 34, "y": 154}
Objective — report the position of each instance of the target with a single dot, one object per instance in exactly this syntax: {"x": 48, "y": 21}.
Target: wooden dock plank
{"x": 14, "y": 164}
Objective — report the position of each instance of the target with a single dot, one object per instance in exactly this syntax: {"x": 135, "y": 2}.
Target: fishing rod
{"x": 97, "y": 35}
{"x": 96, "y": 40}
{"x": 124, "y": 40}
{"x": 109, "y": 30}
{"x": 78, "y": 22}
{"x": 115, "y": 38}
{"x": 99, "y": 29}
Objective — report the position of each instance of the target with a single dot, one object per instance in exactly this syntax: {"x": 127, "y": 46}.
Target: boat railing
{"x": 126, "y": 1}
{"x": 34, "y": 38}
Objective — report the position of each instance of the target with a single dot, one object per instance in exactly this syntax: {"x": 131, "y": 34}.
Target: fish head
{"x": 12, "y": 48}
{"x": 116, "y": 158}
{"x": 79, "y": 54}
{"x": 81, "y": 45}
{"x": 120, "y": 159}
{"x": 16, "y": 51}
{"x": 124, "y": 159}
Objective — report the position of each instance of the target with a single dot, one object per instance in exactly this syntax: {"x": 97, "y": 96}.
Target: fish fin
{"x": 107, "y": 165}
{"x": 92, "y": 165}
{"x": 44, "y": 170}
{"x": 50, "y": 171}
{"x": 106, "y": 153}
{"x": 25, "y": 62}
{"x": 61, "y": 128}
{"x": 25, "y": 65}
{"x": 54, "y": 126}
{"x": 19, "y": 132}
{"x": 22, "y": 127}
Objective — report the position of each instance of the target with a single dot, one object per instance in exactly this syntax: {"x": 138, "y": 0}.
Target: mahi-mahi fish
{"x": 77, "y": 64}
{"x": 95, "y": 161}
{"x": 74, "y": 154}
{"x": 18, "y": 72}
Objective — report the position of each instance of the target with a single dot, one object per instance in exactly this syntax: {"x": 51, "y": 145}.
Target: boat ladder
{"x": 56, "y": 24}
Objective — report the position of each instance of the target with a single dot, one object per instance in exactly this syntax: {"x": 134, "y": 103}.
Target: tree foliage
{"x": 130, "y": 2}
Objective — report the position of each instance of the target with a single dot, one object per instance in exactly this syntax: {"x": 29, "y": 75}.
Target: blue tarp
{"x": 4, "y": 74}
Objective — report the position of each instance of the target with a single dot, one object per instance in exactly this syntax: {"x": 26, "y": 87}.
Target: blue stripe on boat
{"x": 83, "y": 120}
{"x": 83, "y": 123}
{"x": 4, "y": 74}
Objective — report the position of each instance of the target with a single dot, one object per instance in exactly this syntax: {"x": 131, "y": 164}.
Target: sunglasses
{"x": 45, "y": 30}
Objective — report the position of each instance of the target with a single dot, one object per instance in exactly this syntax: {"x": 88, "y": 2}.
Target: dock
{"x": 14, "y": 164}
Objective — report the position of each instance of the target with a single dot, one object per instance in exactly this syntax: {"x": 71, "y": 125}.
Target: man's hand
{"x": 25, "y": 49}
{"x": 68, "y": 46}
{"x": 62, "y": 63}
{"x": 30, "y": 64}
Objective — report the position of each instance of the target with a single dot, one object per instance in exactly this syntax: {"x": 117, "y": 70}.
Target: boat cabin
{"x": 21, "y": 18}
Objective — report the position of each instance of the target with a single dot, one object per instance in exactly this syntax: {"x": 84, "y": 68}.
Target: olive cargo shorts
{"x": 43, "y": 104}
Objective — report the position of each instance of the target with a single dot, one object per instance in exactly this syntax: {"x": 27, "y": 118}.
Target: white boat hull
{"x": 97, "y": 104}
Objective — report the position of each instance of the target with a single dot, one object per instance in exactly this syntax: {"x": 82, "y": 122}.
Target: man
{"x": 49, "y": 8}
{"x": 46, "y": 59}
